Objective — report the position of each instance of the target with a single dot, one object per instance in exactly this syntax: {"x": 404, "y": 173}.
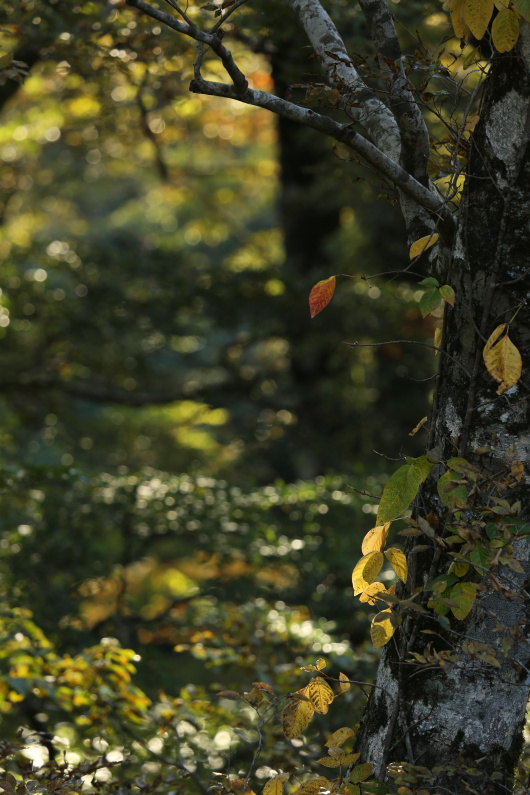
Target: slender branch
{"x": 408, "y": 342}
{"x": 344, "y": 133}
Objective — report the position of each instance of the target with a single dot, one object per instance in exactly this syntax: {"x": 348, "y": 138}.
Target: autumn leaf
{"x": 275, "y": 785}
{"x": 420, "y": 425}
{"x": 448, "y": 294}
{"x": 402, "y": 487}
{"x": 374, "y": 592}
{"x": 366, "y": 571}
{"x": 231, "y": 695}
{"x": 296, "y": 717}
{"x": 460, "y": 27}
{"x": 320, "y": 694}
{"x": 375, "y": 538}
{"x": 505, "y": 30}
{"x": 398, "y": 561}
{"x": 382, "y": 628}
{"x": 314, "y": 786}
{"x": 339, "y": 737}
{"x": 502, "y": 359}
{"x": 263, "y": 686}
{"x": 477, "y": 15}
{"x": 344, "y": 683}
{"x": 421, "y": 245}
{"x": 321, "y": 295}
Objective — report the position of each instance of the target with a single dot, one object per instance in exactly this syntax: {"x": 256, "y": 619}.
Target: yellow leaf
{"x": 477, "y": 15}
{"x": 321, "y": 295}
{"x": 320, "y": 663}
{"x": 314, "y": 786}
{"x": 457, "y": 19}
{"x": 275, "y": 785}
{"x": 339, "y": 737}
{"x": 398, "y": 561}
{"x": 420, "y": 425}
{"x": 374, "y": 592}
{"x": 366, "y": 571}
{"x": 421, "y": 245}
{"x": 502, "y": 359}
{"x": 344, "y": 683}
{"x": 320, "y": 694}
{"x": 382, "y": 630}
{"x": 375, "y": 539}
{"x": 296, "y": 717}
{"x": 505, "y": 30}
{"x": 239, "y": 785}
{"x": 437, "y": 339}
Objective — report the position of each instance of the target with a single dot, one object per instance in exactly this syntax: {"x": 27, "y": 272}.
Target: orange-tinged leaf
{"x": 339, "y": 737}
{"x": 505, "y": 30}
{"x": 374, "y": 592}
{"x": 344, "y": 683}
{"x": 448, "y": 294}
{"x": 398, "y": 561}
{"x": 366, "y": 571}
{"x": 231, "y": 695}
{"x": 321, "y": 295}
{"x": 275, "y": 785}
{"x": 296, "y": 716}
{"x": 375, "y": 539}
{"x": 382, "y": 628}
{"x": 315, "y": 786}
{"x": 238, "y": 786}
{"x": 502, "y": 359}
{"x": 477, "y": 15}
{"x": 320, "y": 694}
{"x": 263, "y": 686}
{"x": 421, "y": 245}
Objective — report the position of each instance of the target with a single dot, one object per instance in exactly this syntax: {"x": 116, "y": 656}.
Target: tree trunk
{"x": 472, "y": 714}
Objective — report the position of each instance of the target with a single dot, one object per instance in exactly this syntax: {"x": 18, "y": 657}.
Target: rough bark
{"x": 473, "y": 714}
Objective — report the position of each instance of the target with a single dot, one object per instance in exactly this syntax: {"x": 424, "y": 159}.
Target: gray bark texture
{"x": 472, "y": 714}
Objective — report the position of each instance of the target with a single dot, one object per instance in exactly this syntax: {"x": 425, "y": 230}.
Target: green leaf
{"x": 430, "y": 301}
{"x": 361, "y": 773}
{"x": 452, "y": 494}
{"x": 523, "y": 7}
{"x": 430, "y": 281}
{"x": 402, "y": 488}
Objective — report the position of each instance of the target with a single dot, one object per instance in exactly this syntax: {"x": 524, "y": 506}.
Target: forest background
{"x": 188, "y": 461}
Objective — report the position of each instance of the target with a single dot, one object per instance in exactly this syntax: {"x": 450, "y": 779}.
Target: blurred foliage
{"x": 157, "y": 250}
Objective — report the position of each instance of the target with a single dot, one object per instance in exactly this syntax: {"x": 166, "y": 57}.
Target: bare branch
{"x": 344, "y": 133}
{"x": 362, "y": 104}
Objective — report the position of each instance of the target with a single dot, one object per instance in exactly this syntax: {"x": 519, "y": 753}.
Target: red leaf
{"x": 321, "y": 295}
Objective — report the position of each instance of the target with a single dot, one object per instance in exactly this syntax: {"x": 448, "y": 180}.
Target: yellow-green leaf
{"x": 398, "y": 561}
{"x": 418, "y": 427}
{"x": 375, "y": 539}
{"x": 421, "y": 245}
{"x": 329, "y": 761}
{"x": 437, "y": 339}
{"x": 320, "y": 694}
{"x": 296, "y": 716}
{"x": 505, "y": 30}
{"x": 448, "y": 294}
{"x": 361, "y": 773}
{"x": 321, "y": 295}
{"x": 463, "y": 594}
{"x": 344, "y": 684}
{"x": 339, "y": 737}
{"x": 502, "y": 359}
{"x": 275, "y": 785}
{"x": 401, "y": 488}
{"x": 523, "y": 7}
{"x": 477, "y": 15}
{"x": 382, "y": 628}
{"x": 366, "y": 571}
